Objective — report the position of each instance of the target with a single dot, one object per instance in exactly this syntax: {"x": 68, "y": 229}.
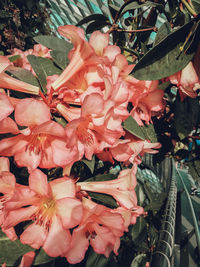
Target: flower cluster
{"x": 92, "y": 96}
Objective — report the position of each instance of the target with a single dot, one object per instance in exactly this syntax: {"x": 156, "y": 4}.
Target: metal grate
{"x": 72, "y": 11}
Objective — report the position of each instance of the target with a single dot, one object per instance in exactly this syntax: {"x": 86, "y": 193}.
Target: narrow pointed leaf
{"x": 92, "y": 17}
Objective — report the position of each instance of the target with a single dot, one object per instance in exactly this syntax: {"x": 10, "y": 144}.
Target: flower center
{"x": 37, "y": 143}
{"x": 83, "y": 133}
{"x": 45, "y": 212}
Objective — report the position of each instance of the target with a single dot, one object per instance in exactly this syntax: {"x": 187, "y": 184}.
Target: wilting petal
{"x": 31, "y": 112}
{"x": 58, "y": 240}
{"x": 27, "y": 259}
{"x": 70, "y": 211}
{"x": 34, "y": 236}
{"x": 38, "y": 182}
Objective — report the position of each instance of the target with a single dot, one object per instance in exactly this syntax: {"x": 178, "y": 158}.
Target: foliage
{"x": 20, "y": 21}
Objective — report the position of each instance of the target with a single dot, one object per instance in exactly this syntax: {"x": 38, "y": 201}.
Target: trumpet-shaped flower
{"x": 99, "y": 227}
{"x": 121, "y": 189}
{"x": 9, "y": 82}
{"x": 53, "y": 208}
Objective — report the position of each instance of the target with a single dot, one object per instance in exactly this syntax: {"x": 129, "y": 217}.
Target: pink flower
{"x": 53, "y": 208}
{"x": 42, "y": 143}
{"x": 27, "y": 259}
{"x": 99, "y": 227}
{"x": 121, "y": 189}
{"x": 186, "y": 80}
{"x": 6, "y": 107}
{"x": 7, "y": 188}
{"x": 81, "y": 52}
{"x": 8, "y": 82}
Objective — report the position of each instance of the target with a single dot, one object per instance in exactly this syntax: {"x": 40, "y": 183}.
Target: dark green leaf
{"x": 137, "y": 228}
{"x": 60, "y": 58}
{"x": 54, "y": 43}
{"x": 163, "y": 31}
{"x": 23, "y": 75}
{"x": 103, "y": 199}
{"x": 186, "y": 115}
{"x": 96, "y": 25}
{"x": 196, "y": 5}
{"x": 90, "y": 163}
{"x": 43, "y": 68}
{"x": 142, "y": 132}
{"x": 96, "y": 17}
{"x": 113, "y": 9}
{"x": 165, "y": 58}
{"x": 98, "y": 260}
{"x": 12, "y": 251}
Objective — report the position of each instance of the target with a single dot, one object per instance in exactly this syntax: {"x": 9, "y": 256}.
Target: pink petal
{"x": 31, "y": 112}
{"x": 29, "y": 159}
{"x": 7, "y": 125}
{"x": 38, "y": 182}
{"x": 6, "y": 108}
{"x": 10, "y": 233}
{"x": 4, "y": 63}
{"x": 79, "y": 246}
{"x": 50, "y": 128}
{"x": 188, "y": 75}
{"x": 4, "y": 164}
{"x": 7, "y": 182}
{"x": 92, "y": 104}
{"x": 58, "y": 240}
{"x": 62, "y": 188}
{"x": 34, "y": 236}
{"x": 99, "y": 41}
{"x": 14, "y": 217}
{"x": 111, "y": 52}
{"x": 8, "y": 82}
{"x": 27, "y": 259}
{"x": 70, "y": 211}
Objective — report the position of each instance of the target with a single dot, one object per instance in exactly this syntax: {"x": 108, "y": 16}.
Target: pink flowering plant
{"x": 77, "y": 115}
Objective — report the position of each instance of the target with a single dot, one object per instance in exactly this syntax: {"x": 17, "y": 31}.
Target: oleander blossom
{"x": 52, "y": 207}
{"x": 39, "y": 143}
{"x": 100, "y": 227}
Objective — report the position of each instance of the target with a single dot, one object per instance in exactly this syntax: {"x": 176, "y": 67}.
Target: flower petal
{"x": 31, "y": 112}
{"x": 70, "y": 211}
{"x": 58, "y": 240}
{"x": 38, "y": 182}
{"x": 6, "y": 108}
{"x": 27, "y": 259}
{"x": 34, "y": 236}
{"x": 63, "y": 187}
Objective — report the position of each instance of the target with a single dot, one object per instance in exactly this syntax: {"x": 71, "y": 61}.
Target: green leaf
{"x": 196, "y": 5}
{"x": 113, "y": 9}
{"x": 142, "y": 132}
{"x": 12, "y": 251}
{"x": 59, "y": 58}
{"x": 137, "y": 228}
{"x": 96, "y": 17}
{"x": 164, "y": 30}
{"x": 98, "y": 260}
{"x": 43, "y": 68}
{"x": 90, "y": 163}
{"x": 103, "y": 199}
{"x": 23, "y": 75}
{"x": 186, "y": 115}
{"x": 53, "y": 43}
{"x": 13, "y": 58}
{"x": 165, "y": 58}
{"x": 96, "y": 25}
